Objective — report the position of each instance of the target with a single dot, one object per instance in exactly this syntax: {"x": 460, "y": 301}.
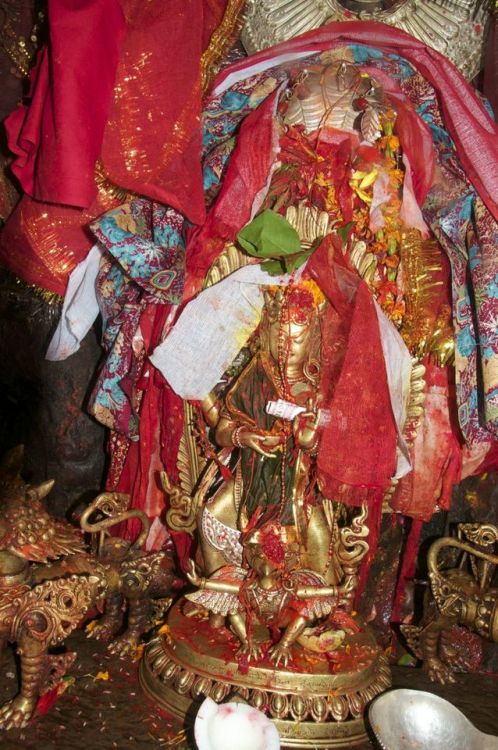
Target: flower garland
{"x": 340, "y": 178}
{"x": 386, "y": 246}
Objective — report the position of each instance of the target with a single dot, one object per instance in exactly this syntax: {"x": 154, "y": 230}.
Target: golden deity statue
{"x": 281, "y": 524}
{"x": 272, "y": 605}
{"x": 267, "y": 533}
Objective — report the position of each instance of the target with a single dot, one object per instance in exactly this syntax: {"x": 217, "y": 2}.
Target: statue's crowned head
{"x": 290, "y": 327}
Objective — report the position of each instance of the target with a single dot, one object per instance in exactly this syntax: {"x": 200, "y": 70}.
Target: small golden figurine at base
{"x": 460, "y": 595}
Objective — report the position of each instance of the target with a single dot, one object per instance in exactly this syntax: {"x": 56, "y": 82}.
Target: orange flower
{"x": 392, "y": 261}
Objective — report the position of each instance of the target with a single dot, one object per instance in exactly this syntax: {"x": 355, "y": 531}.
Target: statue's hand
{"x": 192, "y": 574}
{"x": 305, "y": 427}
{"x": 264, "y": 444}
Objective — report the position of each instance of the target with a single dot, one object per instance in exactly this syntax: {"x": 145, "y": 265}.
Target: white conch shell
{"x": 234, "y": 725}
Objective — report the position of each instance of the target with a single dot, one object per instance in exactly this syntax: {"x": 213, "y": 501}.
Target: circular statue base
{"x": 317, "y": 701}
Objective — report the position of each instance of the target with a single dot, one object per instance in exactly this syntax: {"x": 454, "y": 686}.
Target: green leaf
{"x": 344, "y": 231}
{"x": 407, "y": 660}
{"x": 269, "y": 235}
{"x": 274, "y": 267}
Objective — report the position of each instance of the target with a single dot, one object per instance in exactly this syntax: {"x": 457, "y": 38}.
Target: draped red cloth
{"x": 43, "y": 242}
{"x": 57, "y": 136}
{"x": 357, "y": 455}
{"x": 152, "y": 141}
{"x": 436, "y": 454}
{"x": 474, "y": 133}
{"x": 246, "y": 175}
{"x": 119, "y": 81}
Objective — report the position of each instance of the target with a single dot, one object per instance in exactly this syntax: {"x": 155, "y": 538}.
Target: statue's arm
{"x": 312, "y": 592}
{"x": 205, "y": 583}
{"x": 343, "y": 592}
{"x": 211, "y": 409}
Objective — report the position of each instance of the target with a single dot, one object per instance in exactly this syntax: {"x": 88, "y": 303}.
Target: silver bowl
{"x": 415, "y": 720}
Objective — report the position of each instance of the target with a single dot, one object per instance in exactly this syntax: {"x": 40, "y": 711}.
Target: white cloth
{"x": 79, "y": 310}
{"x": 398, "y": 369}
{"x": 259, "y": 67}
{"x": 211, "y": 331}
{"x": 410, "y": 212}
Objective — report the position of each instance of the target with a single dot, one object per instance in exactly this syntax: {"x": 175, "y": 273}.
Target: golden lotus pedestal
{"x": 317, "y": 701}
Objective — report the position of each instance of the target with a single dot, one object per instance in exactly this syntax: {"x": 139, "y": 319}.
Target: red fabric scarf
{"x": 357, "y": 455}
{"x": 147, "y": 134}
{"x": 57, "y": 137}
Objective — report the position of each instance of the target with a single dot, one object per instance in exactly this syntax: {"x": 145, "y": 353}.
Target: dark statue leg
{"x": 18, "y": 711}
{"x": 139, "y": 620}
{"x": 112, "y": 619}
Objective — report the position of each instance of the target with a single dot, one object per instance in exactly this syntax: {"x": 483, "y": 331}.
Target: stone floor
{"x": 104, "y": 708}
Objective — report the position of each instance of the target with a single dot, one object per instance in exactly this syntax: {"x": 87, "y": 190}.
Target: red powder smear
{"x": 350, "y": 657}
{"x": 344, "y": 620}
{"x": 299, "y": 297}
{"x": 243, "y": 664}
{"x": 273, "y": 547}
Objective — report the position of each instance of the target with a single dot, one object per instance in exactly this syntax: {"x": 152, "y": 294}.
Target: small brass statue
{"x": 461, "y": 595}
{"x": 279, "y": 593}
{"x": 49, "y": 583}
{"x": 35, "y": 613}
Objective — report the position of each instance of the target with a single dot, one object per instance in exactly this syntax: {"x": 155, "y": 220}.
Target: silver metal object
{"x": 415, "y": 720}
{"x": 456, "y": 28}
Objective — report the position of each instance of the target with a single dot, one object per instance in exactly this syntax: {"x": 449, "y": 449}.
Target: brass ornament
{"x": 34, "y": 617}
{"x": 328, "y": 102}
{"x": 415, "y": 412}
{"x": 311, "y": 224}
{"x": 49, "y": 583}
{"x": 222, "y": 39}
{"x": 461, "y": 595}
{"x": 53, "y": 609}
{"x": 423, "y": 332}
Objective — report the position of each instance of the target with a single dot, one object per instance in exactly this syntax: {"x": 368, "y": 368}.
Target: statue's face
{"x": 295, "y": 342}
{"x": 259, "y": 562}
